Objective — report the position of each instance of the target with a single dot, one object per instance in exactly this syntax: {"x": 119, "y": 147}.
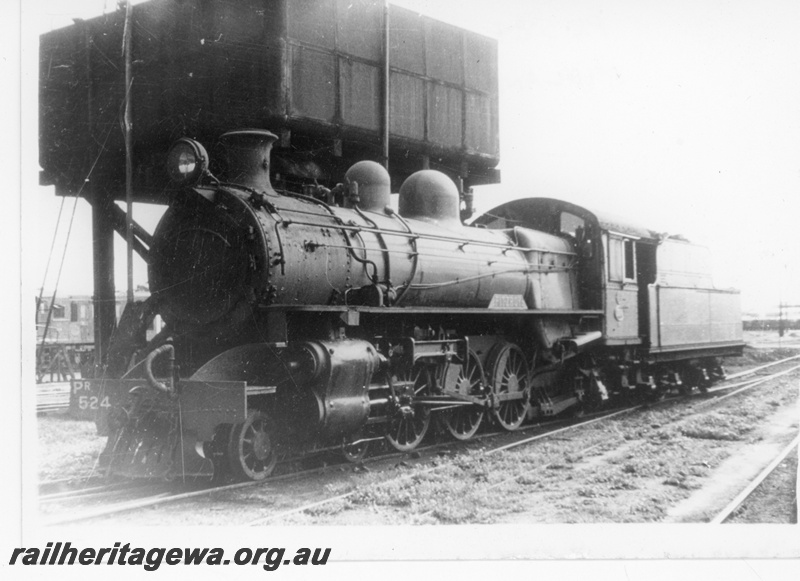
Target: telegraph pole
{"x": 126, "y": 48}
{"x": 385, "y": 88}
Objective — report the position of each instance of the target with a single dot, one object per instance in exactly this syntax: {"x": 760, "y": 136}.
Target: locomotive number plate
{"x": 86, "y": 399}
{"x": 508, "y": 302}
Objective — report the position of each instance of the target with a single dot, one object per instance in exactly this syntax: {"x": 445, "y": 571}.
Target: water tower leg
{"x": 105, "y": 316}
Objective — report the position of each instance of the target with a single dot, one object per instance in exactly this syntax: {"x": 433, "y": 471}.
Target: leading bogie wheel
{"x": 463, "y": 421}
{"x": 409, "y": 422}
{"x": 509, "y": 376}
{"x": 354, "y": 449}
{"x": 251, "y": 450}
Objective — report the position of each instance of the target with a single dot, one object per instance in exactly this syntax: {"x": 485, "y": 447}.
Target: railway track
{"x": 726, "y": 513}
{"x": 340, "y": 497}
{"x": 528, "y": 440}
{"x": 106, "y": 497}
{"x": 101, "y": 496}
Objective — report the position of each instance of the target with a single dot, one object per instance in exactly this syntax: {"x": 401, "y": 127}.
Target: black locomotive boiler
{"x": 300, "y": 323}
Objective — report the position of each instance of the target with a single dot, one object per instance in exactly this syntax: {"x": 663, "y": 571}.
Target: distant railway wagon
{"x": 68, "y": 349}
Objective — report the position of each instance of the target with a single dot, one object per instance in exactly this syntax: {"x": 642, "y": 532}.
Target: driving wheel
{"x": 409, "y": 421}
{"x": 463, "y": 421}
{"x": 509, "y": 381}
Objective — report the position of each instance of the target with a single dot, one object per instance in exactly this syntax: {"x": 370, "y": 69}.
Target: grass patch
{"x": 458, "y": 493}
{"x": 719, "y": 426}
{"x": 711, "y": 434}
{"x": 68, "y": 448}
{"x": 330, "y": 509}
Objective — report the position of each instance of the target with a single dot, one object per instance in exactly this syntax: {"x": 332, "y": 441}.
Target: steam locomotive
{"x": 326, "y": 320}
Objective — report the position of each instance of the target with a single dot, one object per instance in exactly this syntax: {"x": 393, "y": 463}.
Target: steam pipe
{"x": 148, "y": 370}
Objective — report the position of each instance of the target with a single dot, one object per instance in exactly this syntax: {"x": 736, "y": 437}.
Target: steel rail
{"x": 564, "y": 429}
{"x": 71, "y": 493}
{"x": 58, "y": 481}
{"x": 759, "y": 368}
{"x": 82, "y": 493}
{"x": 103, "y": 511}
{"x": 747, "y": 385}
{"x": 726, "y": 512}
{"x": 752, "y": 382}
{"x": 141, "y": 503}
{"x": 265, "y": 519}
{"x": 512, "y": 479}
{"x": 537, "y": 469}
{"x": 166, "y": 497}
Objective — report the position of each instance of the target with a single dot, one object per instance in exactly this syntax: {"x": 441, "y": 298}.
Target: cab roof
{"x": 529, "y": 211}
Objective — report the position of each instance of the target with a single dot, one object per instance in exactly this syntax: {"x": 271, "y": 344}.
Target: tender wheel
{"x": 655, "y": 395}
{"x": 509, "y": 376}
{"x": 463, "y": 421}
{"x": 251, "y": 450}
{"x": 410, "y": 422}
{"x": 683, "y": 387}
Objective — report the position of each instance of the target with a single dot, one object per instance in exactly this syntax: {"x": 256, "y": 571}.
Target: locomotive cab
{"x": 663, "y": 317}
{"x": 565, "y": 220}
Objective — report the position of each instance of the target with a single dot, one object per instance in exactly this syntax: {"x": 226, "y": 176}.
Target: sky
{"x": 683, "y": 116}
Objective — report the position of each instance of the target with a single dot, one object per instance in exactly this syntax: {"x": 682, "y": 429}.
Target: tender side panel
{"x": 681, "y": 263}
{"x": 726, "y": 315}
{"x": 685, "y": 308}
{"x": 693, "y": 316}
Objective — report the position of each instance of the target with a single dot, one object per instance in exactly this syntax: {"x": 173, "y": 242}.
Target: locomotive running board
{"x": 151, "y": 435}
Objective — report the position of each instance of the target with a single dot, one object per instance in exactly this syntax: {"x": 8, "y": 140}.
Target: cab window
{"x": 571, "y": 224}
{"x": 621, "y": 259}
{"x": 629, "y": 259}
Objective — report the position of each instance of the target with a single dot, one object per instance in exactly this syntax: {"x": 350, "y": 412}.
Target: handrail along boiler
{"x": 299, "y": 323}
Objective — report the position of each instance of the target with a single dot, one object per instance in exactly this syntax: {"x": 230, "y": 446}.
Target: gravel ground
{"x": 675, "y": 462}
{"x": 67, "y": 448}
{"x": 654, "y": 466}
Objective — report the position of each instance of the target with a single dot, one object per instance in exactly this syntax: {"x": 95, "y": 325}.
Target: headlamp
{"x": 187, "y": 161}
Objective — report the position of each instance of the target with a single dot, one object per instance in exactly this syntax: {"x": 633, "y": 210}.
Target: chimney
{"x": 247, "y": 154}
